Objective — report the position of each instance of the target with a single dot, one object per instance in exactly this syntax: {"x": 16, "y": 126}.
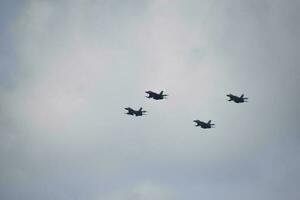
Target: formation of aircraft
{"x": 139, "y": 112}
{"x": 161, "y": 95}
{"x": 203, "y": 124}
{"x": 156, "y": 96}
{"x": 237, "y": 99}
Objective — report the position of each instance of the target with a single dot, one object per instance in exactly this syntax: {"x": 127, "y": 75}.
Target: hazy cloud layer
{"x": 70, "y": 67}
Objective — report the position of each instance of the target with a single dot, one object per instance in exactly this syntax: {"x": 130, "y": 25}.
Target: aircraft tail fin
{"x": 209, "y": 121}
{"x": 161, "y": 93}
{"x": 140, "y": 109}
{"x": 242, "y": 96}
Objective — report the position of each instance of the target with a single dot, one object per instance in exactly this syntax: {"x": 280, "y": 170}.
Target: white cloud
{"x": 142, "y": 191}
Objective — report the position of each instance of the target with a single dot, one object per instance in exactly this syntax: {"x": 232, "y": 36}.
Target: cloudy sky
{"x": 68, "y": 68}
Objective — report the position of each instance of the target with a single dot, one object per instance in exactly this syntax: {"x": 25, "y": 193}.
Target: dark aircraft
{"x": 156, "y": 96}
{"x": 139, "y": 112}
{"x": 237, "y": 99}
{"x": 203, "y": 124}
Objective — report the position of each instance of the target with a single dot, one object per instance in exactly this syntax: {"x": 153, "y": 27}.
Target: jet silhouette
{"x": 156, "y": 96}
{"x": 139, "y": 112}
{"x": 203, "y": 124}
{"x": 237, "y": 99}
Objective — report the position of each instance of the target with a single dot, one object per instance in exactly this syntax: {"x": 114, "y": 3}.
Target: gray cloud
{"x": 79, "y": 63}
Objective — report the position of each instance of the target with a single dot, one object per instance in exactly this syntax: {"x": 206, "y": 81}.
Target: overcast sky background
{"x": 68, "y": 68}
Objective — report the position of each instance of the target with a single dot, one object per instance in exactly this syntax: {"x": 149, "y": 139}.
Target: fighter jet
{"x": 156, "y": 96}
{"x": 139, "y": 112}
{"x": 237, "y": 99}
{"x": 203, "y": 124}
